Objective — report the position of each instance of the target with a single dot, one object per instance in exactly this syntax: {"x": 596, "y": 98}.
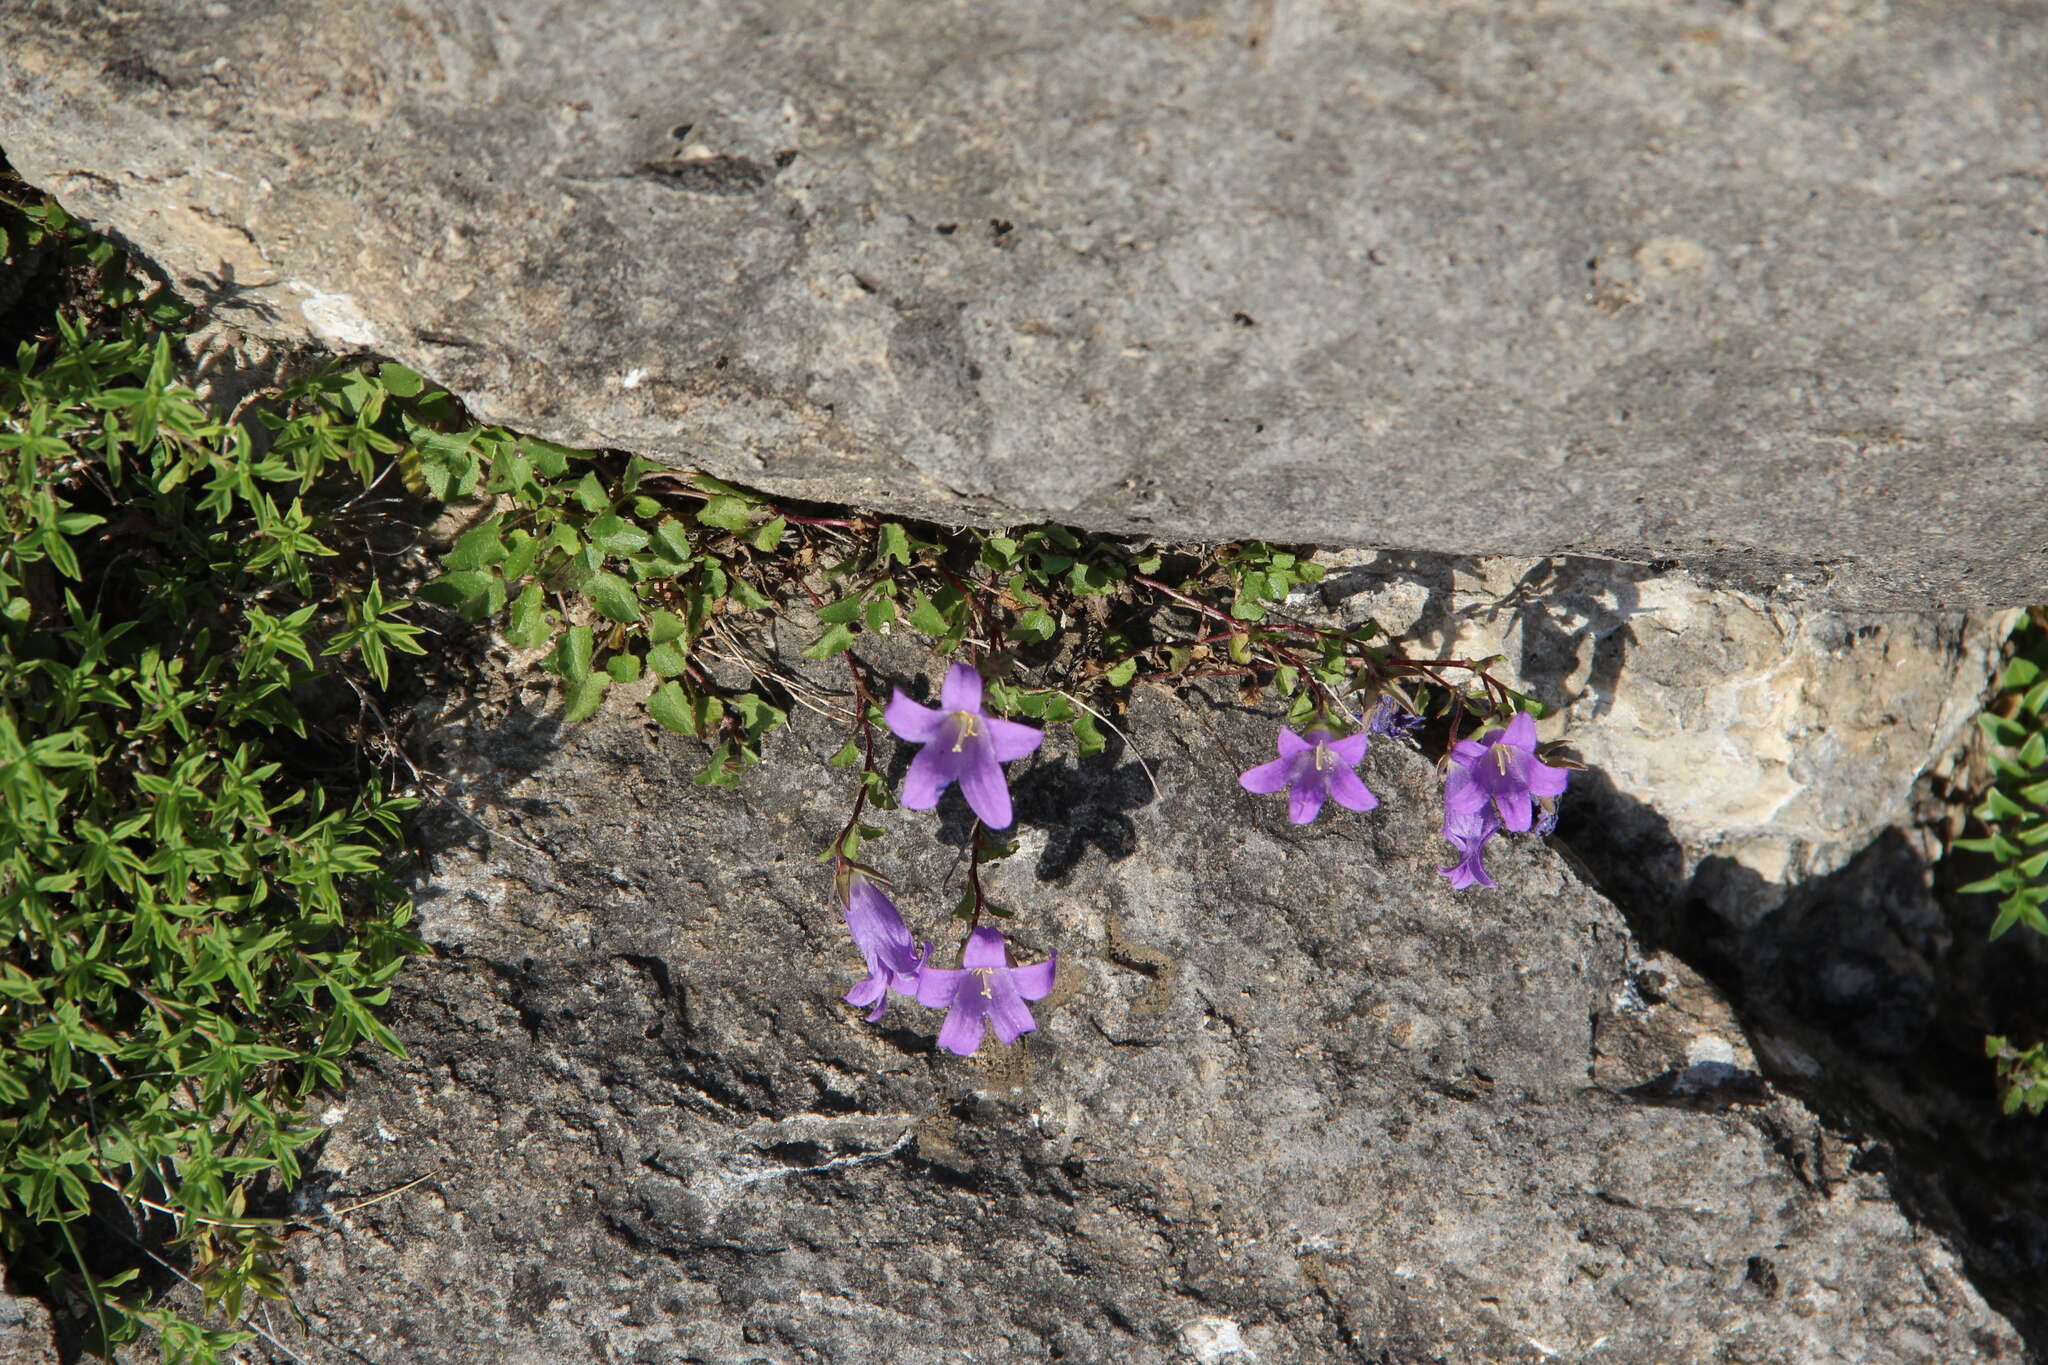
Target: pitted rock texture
{"x": 1744, "y": 744}
{"x": 1756, "y": 287}
{"x": 1292, "y": 1099}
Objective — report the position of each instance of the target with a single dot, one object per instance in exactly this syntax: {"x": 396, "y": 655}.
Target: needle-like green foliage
{"x": 197, "y": 918}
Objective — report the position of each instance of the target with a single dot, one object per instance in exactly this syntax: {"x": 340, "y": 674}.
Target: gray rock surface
{"x": 1757, "y": 286}
{"x": 1292, "y": 1101}
{"x": 26, "y": 1334}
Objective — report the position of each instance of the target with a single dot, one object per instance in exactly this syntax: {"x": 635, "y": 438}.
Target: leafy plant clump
{"x": 2014, "y": 815}
{"x": 197, "y": 912}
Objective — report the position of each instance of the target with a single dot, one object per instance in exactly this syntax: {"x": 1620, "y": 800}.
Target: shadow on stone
{"x": 1867, "y": 994}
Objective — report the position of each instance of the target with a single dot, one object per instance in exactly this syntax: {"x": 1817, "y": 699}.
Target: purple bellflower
{"x": 1468, "y": 833}
{"x": 1312, "y": 769}
{"x": 885, "y": 945}
{"x": 1389, "y": 718}
{"x": 962, "y": 743}
{"x": 1500, "y": 770}
{"x": 984, "y": 987}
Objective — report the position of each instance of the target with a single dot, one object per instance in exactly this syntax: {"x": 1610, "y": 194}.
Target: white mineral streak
{"x": 1211, "y": 1340}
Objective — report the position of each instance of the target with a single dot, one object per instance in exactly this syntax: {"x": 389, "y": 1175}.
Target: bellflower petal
{"x": 1007, "y": 1012}
{"x": 909, "y": 720}
{"x": 935, "y": 986}
{"x": 962, "y": 1030}
{"x": 1010, "y": 741}
{"x": 1305, "y": 800}
{"x": 1347, "y": 791}
{"x": 935, "y": 768}
{"x": 961, "y": 691}
{"x": 1391, "y": 719}
{"x": 869, "y": 990}
{"x": 1545, "y": 780}
{"x": 1267, "y": 778}
{"x": 1289, "y": 744}
{"x": 984, "y": 948}
{"x": 1468, "y": 834}
{"x": 1035, "y": 981}
{"x": 981, "y": 782}
{"x": 1516, "y": 812}
{"x": 1350, "y": 750}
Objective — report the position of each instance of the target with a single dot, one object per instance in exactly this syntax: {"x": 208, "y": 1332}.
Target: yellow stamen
{"x": 969, "y": 726}
{"x": 1324, "y": 758}
{"x": 1500, "y": 758}
{"x": 987, "y": 975}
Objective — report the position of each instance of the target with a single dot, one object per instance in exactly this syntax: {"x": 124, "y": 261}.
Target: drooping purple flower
{"x": 962, "y": 743}
{"x": 1500, "y": 769}
{"x": 885, "y": 944}
{"x": 1468, "y": 832}
{"x": 1393, "y": 720}
{"x": 1311, "y": 769}
{"x": 984, "y": 987}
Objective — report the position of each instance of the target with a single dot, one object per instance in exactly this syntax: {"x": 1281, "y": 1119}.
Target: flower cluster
{"x": 983, "y": 989}
{"x": 1493, "y": 783}
{"x": 961, "y": 743}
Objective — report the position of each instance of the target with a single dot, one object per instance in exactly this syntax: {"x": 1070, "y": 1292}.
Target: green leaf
{"x": 665, "y": 626}
{"x": 2000, "y": 730}
{"x": 615, "y": 535}
{"x": 892, "y": 542}
{"x": 1120, "y": 674}
{"x": 1035, "y": 626}
{"x": 584, "y": 696}
{"x": 530, "y": 623}
{"x": 402, "y": 382}
{"x": 848, "y": 755}
{"x": 881, "y": 615}
{"x": 2019, "y": 673}
{"x": 572, "y": 653}
{"x": 624, "y": 668}
{"x": 837, "y": 639}
{"x": 769, "y": 535}
{"x": 478, "y": 548}
{"x": 667, "y": 660}
{"x": 843, "y": 612}
{"x": 474, "y": 593}
{"x": 1997, "y": 806}
{"x": 614, "y": 597}
{"x": 670, "y": 705}
{"x": 547, "y": 457}
{"x": 924, "y": 617}
{"x": 590, "y": 494}
{"x": 726, "y": 512}
{"x": 1089, "y": 735}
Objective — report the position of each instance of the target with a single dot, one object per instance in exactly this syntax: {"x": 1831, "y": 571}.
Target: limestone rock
{"x": 1755, "y": 287}
{"x": 1742, "y": 744}
{"x": 1292, "y": 1100}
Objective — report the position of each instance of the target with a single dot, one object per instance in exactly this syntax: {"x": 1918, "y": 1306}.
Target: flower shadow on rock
{"x": 1074, "y": 805}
